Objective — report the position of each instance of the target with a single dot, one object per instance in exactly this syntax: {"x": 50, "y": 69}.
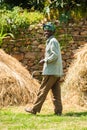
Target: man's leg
{"x": 56, "y": 97}
{"x": 47, "y": 83}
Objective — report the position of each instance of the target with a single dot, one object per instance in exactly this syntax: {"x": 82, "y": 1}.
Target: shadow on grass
{"x": 76, "y": 114}
{"x": 43, "y": 115}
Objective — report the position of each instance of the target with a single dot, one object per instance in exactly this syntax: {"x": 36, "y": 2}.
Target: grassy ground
{"x": 15, "y": 118}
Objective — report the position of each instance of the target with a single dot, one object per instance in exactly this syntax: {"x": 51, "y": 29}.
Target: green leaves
{"x": 64, "y": 17}
{"x": 4, "y": 35}
{"x": 17, "y": 18}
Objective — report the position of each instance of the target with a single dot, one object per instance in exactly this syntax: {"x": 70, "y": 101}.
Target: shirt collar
{"x": 49, "y": 38}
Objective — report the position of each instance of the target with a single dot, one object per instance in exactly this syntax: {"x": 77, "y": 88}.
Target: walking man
{"x": 52, "y": 71}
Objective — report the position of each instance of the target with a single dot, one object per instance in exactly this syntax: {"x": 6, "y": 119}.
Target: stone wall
{"x": 29, "y": 46}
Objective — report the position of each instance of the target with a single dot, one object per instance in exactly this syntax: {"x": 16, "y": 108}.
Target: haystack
{"x": 76, "y": 79}
{"x": 16, "y": 84}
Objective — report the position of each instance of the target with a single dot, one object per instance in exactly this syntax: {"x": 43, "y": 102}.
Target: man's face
{"x": 48, "y": 33}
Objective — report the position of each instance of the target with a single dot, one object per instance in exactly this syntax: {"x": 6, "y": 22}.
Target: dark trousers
{"x": 49, "y": 83}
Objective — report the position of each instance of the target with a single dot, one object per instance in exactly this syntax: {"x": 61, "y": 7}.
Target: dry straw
{"x": 16, "y": 84}
{"x": 76, "y": 79}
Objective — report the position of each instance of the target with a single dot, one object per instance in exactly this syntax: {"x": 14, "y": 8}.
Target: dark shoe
{"x": 29, "y": 110}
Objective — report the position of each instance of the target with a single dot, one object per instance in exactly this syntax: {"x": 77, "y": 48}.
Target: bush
{"x": 17, "y": 18}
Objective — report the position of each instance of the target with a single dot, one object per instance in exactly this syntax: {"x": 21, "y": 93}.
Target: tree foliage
{"x": 68, "y": 9}
{"x": 40, "y": 4}
{"x": 36, "y": 4}
{"x": 65, "y": 7}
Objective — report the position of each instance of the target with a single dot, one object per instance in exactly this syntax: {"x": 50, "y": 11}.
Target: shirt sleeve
{"x": 53, "y": 52}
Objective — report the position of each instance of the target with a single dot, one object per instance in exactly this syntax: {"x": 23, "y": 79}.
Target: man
{"x": 52, "y": 71}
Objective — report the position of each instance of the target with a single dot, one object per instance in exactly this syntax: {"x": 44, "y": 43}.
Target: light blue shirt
{"x": 53, "y": 59}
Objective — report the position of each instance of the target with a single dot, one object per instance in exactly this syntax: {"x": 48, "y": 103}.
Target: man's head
{"x": 49, "y": 29}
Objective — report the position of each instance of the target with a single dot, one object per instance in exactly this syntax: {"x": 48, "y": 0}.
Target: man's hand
{"x": 41, "y": 61}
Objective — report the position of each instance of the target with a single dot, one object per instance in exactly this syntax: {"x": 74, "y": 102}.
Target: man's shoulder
{"x": 54, "y": 40}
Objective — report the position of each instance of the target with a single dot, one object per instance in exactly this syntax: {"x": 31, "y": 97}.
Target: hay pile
{"x": 76, "y": 79}
{"x": 16, "y": 84}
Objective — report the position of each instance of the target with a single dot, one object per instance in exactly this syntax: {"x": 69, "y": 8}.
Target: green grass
{"x": 14, "y": 120}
